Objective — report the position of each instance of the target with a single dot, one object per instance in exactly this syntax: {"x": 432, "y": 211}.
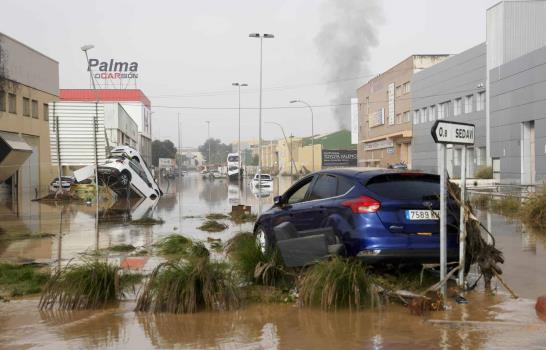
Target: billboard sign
{"x": 338, "y": 158}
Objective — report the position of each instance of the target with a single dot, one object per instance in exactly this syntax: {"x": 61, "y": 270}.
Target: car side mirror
{"x": 277, "y": 201}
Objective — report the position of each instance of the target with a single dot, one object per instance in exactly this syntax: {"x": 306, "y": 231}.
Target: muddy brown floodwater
{"x": 486, "y": 322}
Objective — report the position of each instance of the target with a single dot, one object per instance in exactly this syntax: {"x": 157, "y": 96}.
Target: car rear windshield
{"x": 405, "y": 186}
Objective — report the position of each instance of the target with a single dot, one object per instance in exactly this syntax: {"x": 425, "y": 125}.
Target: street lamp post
{"x": 239, "y": 85}
{"x": 261, "y": 37}
{"x": 312, "y": 130}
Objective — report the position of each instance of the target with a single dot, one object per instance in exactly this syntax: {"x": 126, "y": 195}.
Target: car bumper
{"x": 413, "y": 255}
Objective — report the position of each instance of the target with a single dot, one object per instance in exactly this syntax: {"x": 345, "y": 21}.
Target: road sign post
{"x": 455, "y": 133}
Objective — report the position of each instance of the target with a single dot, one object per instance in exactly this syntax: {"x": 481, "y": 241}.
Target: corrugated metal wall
{"x": 76, "y": 132}
{"x": 514, "y": 28}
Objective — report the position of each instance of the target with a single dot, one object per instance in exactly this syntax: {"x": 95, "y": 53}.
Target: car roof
{"x": 363, "y": 173}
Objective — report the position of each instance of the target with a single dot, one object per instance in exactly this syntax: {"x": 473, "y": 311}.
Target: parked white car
{"x": 122, "y": 171}
{"x": 266, "y": 181}
{"x": 66, "y": 182}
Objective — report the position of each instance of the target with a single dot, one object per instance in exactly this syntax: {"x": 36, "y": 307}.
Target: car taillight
{"x": 362, "y": 205}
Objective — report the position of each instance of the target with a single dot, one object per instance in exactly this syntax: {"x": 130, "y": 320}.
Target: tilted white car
{"x": 123, "y": 171}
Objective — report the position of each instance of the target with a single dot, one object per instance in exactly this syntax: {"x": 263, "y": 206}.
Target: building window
{"x": 12, "y": 103}
{"x": 406, "y": 87}
{"x": 457, "y": 106}
{"x": 378, "y": 118}
{"x": 480, "y": 101}
{"x": 424, "y": 115}
{"x": 432, "y": 113}
{"x": 468, "y": 104}
{"x": 399, "y": 119}
{"x": 399, "y": 90}
{"x": 34, "y": 109}
{"x": 407, "y": 117}
{"x": 416, "y": 117}
{"x": 443, "y": 110}
{"x": 2, "y": 101}
{"x": 26, "y": 107}
{"x": 46, "y": 111}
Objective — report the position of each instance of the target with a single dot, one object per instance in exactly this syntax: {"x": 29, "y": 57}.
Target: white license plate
{"x": 415, "y": 214}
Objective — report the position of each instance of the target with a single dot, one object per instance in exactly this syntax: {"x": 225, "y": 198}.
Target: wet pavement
{"x": 504, "y": 323}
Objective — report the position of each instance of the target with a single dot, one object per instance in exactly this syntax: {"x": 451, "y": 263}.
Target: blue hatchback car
{"x": 376, "y": 215}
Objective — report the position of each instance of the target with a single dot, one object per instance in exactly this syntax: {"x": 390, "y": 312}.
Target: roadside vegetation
{"x": 90, "y": 285}
{"x": 122, "y": 248}
{"x": 189, "y": 285}
{"x": 216, "y": 216}
{"x": 19, "y": 280}
{"x": 533, "y": 210}
{"x": 242, "y": 217}
{"x": 484, "y": 172}
{"x": 147, "y": 221}
{"x": 212, "y": 226}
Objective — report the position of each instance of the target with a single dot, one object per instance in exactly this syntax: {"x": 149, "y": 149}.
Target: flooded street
{"x": 504, "y": 323}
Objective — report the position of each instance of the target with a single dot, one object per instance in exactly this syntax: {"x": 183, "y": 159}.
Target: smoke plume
{"x": 344, "y": 42}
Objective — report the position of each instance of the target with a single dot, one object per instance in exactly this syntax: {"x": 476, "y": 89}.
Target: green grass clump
{"x": 173, "y": 245}
{"x": 534, "y": 210}
{"x": 212, "y": 226}
{"x": 336, "y": 283}
{"x": 484, "y": 172}
{"x": 255, "y": 266}
{"x": 121, "y": 248}
{"x": 241, "y": 218}
{"x": 481, "y": 201}
{"x": 216, "y": 216}
{"x": 147, "y": 221}
{"x": 17, "y": 280}
{"x": 90, "y": 285}
{"x": 190, "y": 285}
{"x": 507, "y": 206}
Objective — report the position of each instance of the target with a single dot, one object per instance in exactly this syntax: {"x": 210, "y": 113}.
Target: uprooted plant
{"x": 212, "y": 226}
{"x": 255, "y": 266}
{"x": 192, "y": 284}
{"x": 173, "y": 245}
{"x": 89, "y": 285}
{"x": 337, "y": 283}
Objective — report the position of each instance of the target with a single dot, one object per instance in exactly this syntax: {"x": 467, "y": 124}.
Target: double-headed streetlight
{"x": 292, "y": 164}
{"x": 239, "y": 85}
{"x": 312, "y": 130}
{"x": 261, "y": 37}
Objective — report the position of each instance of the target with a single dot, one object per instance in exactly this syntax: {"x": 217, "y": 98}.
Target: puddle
{"x": 182, "y": 210}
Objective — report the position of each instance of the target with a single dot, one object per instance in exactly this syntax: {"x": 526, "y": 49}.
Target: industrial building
{"x": 133, "y": 102}
{"x": 29, "y": 81}
{"x": 516, "y": 67}
{"x": 384, "y": 113}
{"x": 453, "y": 90}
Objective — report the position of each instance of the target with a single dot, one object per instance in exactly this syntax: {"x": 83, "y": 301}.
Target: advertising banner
{"x": 338, "y": 158}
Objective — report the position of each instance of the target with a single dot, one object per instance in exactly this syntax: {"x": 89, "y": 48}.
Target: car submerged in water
{"x": 379, "y": 216}
{"x": 125, "y": 172}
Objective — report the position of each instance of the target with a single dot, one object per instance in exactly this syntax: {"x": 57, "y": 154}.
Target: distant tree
{"x": 162, "y": 149}
{"x": 218, "y": 151}
{"x": 255, "y": 160}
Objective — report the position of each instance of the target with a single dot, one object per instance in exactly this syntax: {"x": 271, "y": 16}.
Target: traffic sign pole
{"x": 443, "y": 217}
{"x": 462, "y": 224}
{"x": 455, "y": 133}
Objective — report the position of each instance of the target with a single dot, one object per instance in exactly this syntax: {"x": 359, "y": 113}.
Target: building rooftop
{"x": 110, "y": 95}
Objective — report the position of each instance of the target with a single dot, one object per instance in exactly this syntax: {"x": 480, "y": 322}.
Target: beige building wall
{"x": 385, "y": 113}
{"x": 276, "y": 157}
{"x": 33, "y": 77}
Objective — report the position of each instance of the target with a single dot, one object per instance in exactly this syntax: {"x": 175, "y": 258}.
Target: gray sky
{"x": 189, "y": 53}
